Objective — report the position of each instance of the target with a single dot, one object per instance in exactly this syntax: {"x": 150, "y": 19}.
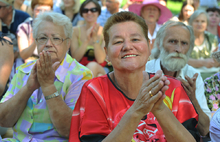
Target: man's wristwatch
{"x": 52, "y": 95}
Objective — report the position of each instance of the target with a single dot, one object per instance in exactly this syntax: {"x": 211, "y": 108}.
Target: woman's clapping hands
{"x": 43, "y": 72}
{"x": 151, "y": 94}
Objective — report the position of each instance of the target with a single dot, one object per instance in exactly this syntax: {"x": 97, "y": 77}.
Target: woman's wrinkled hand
{"x": 155, "y": 86}
{"x": 46, "y": 70}
{"x": 32, "y": 82}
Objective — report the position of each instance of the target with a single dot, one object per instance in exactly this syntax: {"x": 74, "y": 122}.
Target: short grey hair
{"x": 155, "y": 52}
{"x": 75, "y": 7}
{"x": 56, "y": 18}
{"x": 196, "y": 14}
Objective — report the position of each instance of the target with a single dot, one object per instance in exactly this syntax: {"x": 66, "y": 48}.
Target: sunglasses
{"x": 86, "y": 10}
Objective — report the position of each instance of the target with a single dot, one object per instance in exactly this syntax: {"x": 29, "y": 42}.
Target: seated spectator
{"x": 19, "y": 5}
{"x": 204, "y": 45}
{"x": 70, "y": 8}
{"x": 212, "y": 87}
{"x": 185, "y": 12}
{"x": 112, "y": 7}
{"x": 214, "y": 20}
{"x": 215, "y": 127}
{"x": 41, "y": 97}
{"x": 204, "y": 4}
{"x": 127, "y": 104}
{"x": 196, "y": 4}
{"x": 87, "y": 43}
{"x": 26, "y": 42}
{"x": 10, "y": 18}
{"x": 130, "y": 2}
{"x": 172, "y": 47}
{"x": 154, "y": 15}
{"x": 6, "y": 62}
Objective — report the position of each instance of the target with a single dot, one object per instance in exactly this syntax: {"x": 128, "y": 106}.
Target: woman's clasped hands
{"x": 43, "y": 72}
{"x": 151, "y": 94}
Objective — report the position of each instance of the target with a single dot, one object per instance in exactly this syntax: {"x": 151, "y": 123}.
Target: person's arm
{"x": 98, "y": 44}
{"x": 6, "y": 63}
{"x": 197, "y": 63}
{"x": 9, "y": 110}
{"x": 26, "y": 48}
{"x": 190, "y": 86}
{"x": 60, "y": 113}
{"x": 76, "y": 51}
{"x": 173, "y": 130}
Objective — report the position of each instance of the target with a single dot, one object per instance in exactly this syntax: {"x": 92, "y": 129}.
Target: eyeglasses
{"x": 86, "y": 10}
{"x": 2, "y": 6}
{"x": 55, "y": 40}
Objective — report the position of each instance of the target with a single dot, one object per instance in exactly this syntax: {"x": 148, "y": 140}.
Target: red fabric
{"x": 84, "y": 61}
{"x": 101, "y": 106}
{"x": 218, "y": 31}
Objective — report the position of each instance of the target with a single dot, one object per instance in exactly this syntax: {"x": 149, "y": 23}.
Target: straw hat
{"x": 165, "y": 13}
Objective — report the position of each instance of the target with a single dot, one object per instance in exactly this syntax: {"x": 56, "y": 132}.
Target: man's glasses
{"x": 2, "y": 6}
{"x": 86, "y": 10}
{"x": 55, "y": 40}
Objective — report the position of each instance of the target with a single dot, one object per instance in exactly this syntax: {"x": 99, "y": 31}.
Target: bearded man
{"x": 173, "y": 45}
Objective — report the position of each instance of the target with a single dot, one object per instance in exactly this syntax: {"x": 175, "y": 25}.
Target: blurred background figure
{"x": 204, "y": 4}
{"x": 196, "y": 4}
{"x": 70, "y": 8}
{"x": 6, "y": 63}
{"x": 19, "y": 5}
{"x": 87, "y": 42}
{"x": 154, "y": 15}
{"x": 212, "y": 87}
{"x": 163, "y": 2}
{"x": 215, "y": 127}
{"x": 205, "y": 44}
{"x": 214, "y": 20}
{"x": 26, "y": 42}
{"x": 185, "y": 12}
{"x": 10, "y": 18}
{"x": 112, "y": 7}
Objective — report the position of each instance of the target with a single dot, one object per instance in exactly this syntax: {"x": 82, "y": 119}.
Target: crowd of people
{"x": 97, "y": 70}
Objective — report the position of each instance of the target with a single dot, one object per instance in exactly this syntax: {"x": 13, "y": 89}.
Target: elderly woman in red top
{"x": 127, "y": 104}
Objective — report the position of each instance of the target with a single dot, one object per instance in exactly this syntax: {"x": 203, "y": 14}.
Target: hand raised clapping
{"x": 43, "y": 72}
{"x": 151, "y": 94}
{"x": 92, "y": 33}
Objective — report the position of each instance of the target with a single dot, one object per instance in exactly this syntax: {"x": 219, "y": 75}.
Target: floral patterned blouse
{"x": 212, "y": 91}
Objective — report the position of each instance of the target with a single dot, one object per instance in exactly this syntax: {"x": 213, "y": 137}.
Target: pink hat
{"x": 165, "y": 13}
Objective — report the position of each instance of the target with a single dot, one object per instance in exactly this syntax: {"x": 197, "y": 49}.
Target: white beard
{"x": 170, "y": 63}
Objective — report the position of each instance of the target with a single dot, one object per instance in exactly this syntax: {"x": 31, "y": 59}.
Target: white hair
{"x": 158, "y": 43}
{"x": 173, "y": 64}
{"x": 76, "y": 6}
{"x": 56, "y": 18}
{"x": 196, "y": 14}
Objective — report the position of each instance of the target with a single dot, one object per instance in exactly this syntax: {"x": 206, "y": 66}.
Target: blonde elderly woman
{"x": 42, "y": 95}
{"x": 70, "y": 8}
{"x": 205, "y": 43}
